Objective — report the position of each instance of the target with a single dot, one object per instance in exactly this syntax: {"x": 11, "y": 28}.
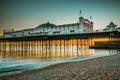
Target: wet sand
{"x": 103, "y": 68}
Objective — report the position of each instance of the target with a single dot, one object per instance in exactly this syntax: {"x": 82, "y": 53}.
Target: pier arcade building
{"x": 83, "y": 26}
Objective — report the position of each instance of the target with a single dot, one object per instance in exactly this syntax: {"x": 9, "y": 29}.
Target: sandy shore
{"x": 104, "y": 68}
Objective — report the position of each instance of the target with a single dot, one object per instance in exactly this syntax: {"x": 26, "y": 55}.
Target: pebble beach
{"x": 102, "y": 68}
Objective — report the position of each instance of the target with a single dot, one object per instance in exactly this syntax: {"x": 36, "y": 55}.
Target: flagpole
{"x": 80, "y": 13}
{"x": 91, "y": 18}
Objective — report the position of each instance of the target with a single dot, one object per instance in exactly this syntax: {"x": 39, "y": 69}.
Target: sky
{"x": 23, "y": 14}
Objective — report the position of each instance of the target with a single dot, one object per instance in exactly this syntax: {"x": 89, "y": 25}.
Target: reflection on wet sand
{"x": 45, "y": 52}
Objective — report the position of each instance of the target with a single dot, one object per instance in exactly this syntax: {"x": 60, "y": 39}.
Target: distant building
{"x": 83, "y": 26}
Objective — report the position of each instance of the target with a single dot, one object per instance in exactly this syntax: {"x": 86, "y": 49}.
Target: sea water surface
{"x": 15, "y": 61}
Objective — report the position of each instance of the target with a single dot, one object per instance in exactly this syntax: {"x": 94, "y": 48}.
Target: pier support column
{"x": 5, "y": 46}
{"x": 60, "y": 48}
{"x": 49, "y": 48}
{"x": 42, "y": 49}
{"x": 0, "y": 46}
{"x": 64, "y": 48}
{"x": 72, "y": 47}
{"x": 77, "y": 48}
{"x": 45, "y": 48}
{"x": 4, "y": 49}
{"x": 55, "y": 43}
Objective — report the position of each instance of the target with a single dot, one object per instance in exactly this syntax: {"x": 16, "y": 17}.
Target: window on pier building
{"x": 72, "y": 31}
{"x": 14, "y": 35}
{"x": 56, "y": 32}
{"x": 46, "y": 33}
{"x": 84, "y": 30}
{"x": 43, "y": 29}
{"x": 40, "y": 33}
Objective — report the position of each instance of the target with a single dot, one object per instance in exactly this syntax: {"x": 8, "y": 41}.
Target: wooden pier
{"x": 60, "y": 45}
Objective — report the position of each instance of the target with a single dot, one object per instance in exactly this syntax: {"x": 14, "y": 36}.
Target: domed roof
{"x": 81, "y": 17}
{"x": 46, "y": 25}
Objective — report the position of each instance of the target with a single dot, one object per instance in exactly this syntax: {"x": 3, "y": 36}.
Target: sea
{"x": 16, "y": 60}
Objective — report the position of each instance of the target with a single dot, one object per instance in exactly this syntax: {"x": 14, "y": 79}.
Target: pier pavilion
{"x": 80, "y": 34}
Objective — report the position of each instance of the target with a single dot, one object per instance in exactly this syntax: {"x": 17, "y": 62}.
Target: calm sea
{"x": 17, "y": 59}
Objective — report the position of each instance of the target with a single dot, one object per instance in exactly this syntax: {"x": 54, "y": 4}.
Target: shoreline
{"x": 16, "y": 70}
{"x": 78, "y": 70}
